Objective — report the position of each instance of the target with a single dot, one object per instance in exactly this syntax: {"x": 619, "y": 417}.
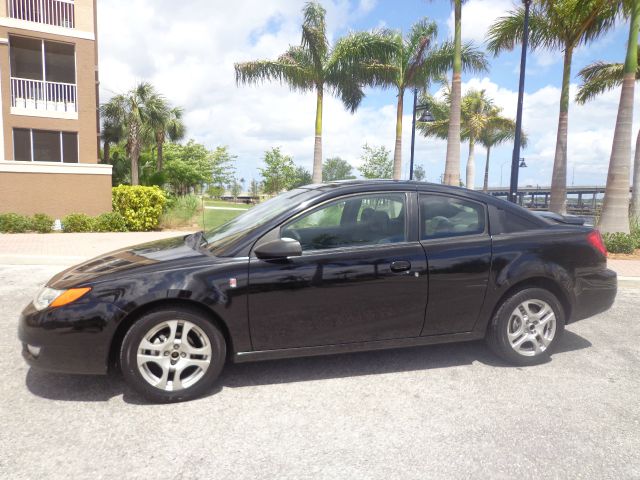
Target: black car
{"x": 331, "y": 268}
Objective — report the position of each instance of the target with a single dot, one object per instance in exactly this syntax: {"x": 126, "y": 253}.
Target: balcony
{"x": 59, "y": 13}
{"x": 43, "y": 98}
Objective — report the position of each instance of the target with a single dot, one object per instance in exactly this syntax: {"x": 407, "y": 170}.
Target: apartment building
{"x": 49, "y": 128}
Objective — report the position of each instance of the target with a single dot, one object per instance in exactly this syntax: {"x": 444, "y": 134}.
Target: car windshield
{"x": 220, "y": 237}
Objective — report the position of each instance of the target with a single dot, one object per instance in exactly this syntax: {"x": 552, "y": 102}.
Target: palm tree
{"x": 598, "y": 78}
{"x": 415, "y": 64}
{"x": 135, "y": 111}
{"x": 615, "y": 212}
{"x": 558, "y": 25}
{"x": 168, "y": 124}
{"x": 452, "y": 164}
{"x": 498, "y": 130}
{"x": 111, "y": 134}
{"x": 314, "y": 66}
{"x": 476, "y": 111}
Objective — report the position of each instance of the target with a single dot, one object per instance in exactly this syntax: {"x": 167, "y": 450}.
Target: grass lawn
{"x": 213, "y": 218}
{"x": 220, "y": 203}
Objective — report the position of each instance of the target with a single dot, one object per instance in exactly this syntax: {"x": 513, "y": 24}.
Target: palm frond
{"x": 507, "y": 31}
{"x": 599, "y": 77}
{"x": 314, "y": 33}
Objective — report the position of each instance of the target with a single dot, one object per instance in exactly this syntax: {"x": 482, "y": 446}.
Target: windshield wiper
{"x": 196, "y": 239}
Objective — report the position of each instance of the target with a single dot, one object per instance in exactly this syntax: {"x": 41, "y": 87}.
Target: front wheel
{"x": 526, "y": 327}
{"x": 172, "y": 355}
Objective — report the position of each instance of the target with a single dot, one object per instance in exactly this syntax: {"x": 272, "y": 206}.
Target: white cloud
{"x": 187, "y": 49}
{"x": 477, "y": 16}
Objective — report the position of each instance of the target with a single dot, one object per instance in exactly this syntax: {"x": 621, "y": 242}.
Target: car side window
{"x": 357, "y": 220}
{"x": 444, "y": 216}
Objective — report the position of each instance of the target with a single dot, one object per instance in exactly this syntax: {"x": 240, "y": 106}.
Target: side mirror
{"x": 280, "y": 248}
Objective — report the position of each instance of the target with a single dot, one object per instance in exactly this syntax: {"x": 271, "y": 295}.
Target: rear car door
{"x": 455, "y": 236}
{"x": 360, "y": 277}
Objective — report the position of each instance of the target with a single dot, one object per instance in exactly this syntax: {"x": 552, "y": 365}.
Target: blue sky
{"x": 190, "y": 58}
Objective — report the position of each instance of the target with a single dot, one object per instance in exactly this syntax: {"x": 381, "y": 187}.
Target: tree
{"x": 236, "y": 188}
{"x": 254, "y": 188}
{"x": 560, "y": 25}
{"x": 314, "y": 66}
{"x": 598, "y": 78}
{"x": 418, "y": 173}
{"x": 279, "y": 171}
{"x": 134, "y": 112}
{"x": 476, "y": 110}
{"x": 497, "y": 131}
{"x": 192, "y": 164}
{"x": 112, "y": 134}
{"x": 336, "y": 168}
{"x": 417, "y": 61}
{"x": 167, "y": 123}
{"x": 376, "y": 162}
{"x": 302, "y": 176}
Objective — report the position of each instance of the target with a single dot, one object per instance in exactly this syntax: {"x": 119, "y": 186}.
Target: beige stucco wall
{"x": 85, "y": 125}
{"x": 54, "y": 194}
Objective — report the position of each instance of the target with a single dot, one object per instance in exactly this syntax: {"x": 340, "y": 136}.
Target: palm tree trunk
{"x": 485, "y": 185}
{"x": 317, "y": 148}
{"x": 452, "y": 165}
{"x": 635, "y": 197}
{"x": 397, "y": 154}
{"x": 471, "y": 165}
{"x": 134, "y": 152}
{"x": 159, "y": 144}
{"x": 615, "y": 210}
{"x": 558, "y": 201}
{"x": 106, "y": 153}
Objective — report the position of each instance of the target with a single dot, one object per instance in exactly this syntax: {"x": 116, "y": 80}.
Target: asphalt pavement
{"x": 448, "y": 411}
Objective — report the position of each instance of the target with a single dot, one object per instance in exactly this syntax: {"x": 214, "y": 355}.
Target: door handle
{"x": 400, "y": 266}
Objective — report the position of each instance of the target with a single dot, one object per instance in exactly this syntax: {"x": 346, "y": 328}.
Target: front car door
{"x": 360, "y": 277}
{"x": 455, "y": 235}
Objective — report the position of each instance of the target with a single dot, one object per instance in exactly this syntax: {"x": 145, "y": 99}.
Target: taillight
{"x": 595, "y": 240}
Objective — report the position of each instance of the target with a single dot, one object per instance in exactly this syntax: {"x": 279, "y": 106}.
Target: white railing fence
{"x": 52, "y": 12}
{"x": 42, "y": 95}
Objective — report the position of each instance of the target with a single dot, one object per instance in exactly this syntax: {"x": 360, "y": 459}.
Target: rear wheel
{"x": 172, "y": 355}
{"x": 526, "y": 327}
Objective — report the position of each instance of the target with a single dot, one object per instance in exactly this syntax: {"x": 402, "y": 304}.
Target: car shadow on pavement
{"x": 87, "y": 388}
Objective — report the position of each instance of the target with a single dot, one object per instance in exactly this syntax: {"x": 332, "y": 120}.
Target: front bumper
{"x": 72, "y": 339}
{"x": 594, "y": 293}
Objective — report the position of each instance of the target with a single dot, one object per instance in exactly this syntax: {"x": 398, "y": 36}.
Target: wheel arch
{"x": 544, "y": 283}
{"x": 125, "y": 324}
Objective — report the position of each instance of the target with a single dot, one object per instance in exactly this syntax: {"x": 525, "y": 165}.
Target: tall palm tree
{"x": 476, "y": 111}
{"x": 598, "y": 78}
{"x": 314, "y": 66}
{"x": 417, "y": 61}
{"x": 135, "y": 111}
{"x": 558, "y": 25}
{"x": 615, "y": 212}
{"x": 452, "y": 164}
{"x": 168, "y": 124}
{"x": 498, "y": 130}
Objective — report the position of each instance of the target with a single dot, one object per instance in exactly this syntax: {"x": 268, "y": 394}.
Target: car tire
{"x": 526, "y": 327}
{"x": 162, "y": 365}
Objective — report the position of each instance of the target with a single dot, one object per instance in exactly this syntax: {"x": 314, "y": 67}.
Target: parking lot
{"x": 449, "y": 411}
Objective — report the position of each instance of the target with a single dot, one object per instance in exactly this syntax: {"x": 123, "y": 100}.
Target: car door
{"x": 455, "y": 236}
{"x": 359, "y": 278}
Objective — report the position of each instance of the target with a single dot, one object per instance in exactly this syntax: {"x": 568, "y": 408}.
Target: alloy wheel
{"x": 531, "y": 327}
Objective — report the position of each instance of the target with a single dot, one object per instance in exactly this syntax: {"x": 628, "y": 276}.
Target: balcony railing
{"x": 52, "y": 12}
{"x": 42, "y": 96}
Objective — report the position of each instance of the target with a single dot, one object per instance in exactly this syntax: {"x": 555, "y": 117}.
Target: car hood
{"x": 126, "y": 260}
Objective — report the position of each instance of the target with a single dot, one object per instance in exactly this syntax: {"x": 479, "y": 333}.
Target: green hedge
{"x": 14, "y": 223}
{"x": 42, "y": 223}
{"x": 140, "y": 207}
{"x": 619, "y": 242}
{"x": 77, "y": 222}
{"x": 110, "y": 222}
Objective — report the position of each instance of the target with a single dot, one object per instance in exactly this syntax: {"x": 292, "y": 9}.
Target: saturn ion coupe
{"x": 322, "y": 269}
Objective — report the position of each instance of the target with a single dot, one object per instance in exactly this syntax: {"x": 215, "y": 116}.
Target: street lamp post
{"x": 425, "y": 117}
{"x": 513, "y": 189}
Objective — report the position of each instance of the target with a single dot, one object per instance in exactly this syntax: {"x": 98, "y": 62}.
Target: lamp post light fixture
{"x": 513, "y": 188}
{"x": 424, "y": 117}
{"x": 522, "y": 163}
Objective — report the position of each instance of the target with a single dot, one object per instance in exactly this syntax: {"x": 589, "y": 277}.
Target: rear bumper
{"x": 594, "y": 293}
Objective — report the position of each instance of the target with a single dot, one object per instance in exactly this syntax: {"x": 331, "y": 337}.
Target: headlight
{"x": 50, "y": 297}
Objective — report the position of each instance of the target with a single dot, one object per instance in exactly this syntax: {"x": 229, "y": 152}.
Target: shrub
{"x": 42, "y": 223}
{"x": 140, "y": 206}
{"x": 619, "y": 242}
{"x": 181, "y": 212}
{"x": 77, "y": 222}
{"x": 110, "y": 222}
{"x": 14, "y": 223}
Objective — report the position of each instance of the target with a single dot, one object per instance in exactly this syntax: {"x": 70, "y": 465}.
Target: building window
{"x": 45, "y": 146}
{"x": 43, "y": 75}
